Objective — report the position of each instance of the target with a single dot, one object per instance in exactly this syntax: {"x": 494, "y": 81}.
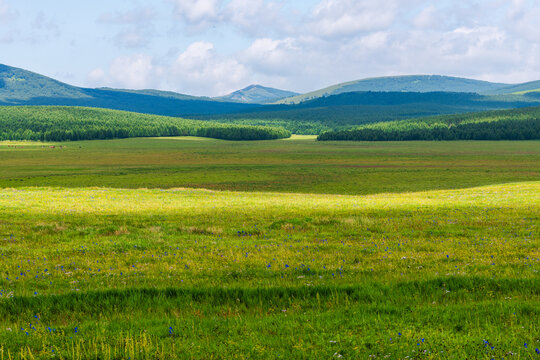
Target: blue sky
{"x": 212, "y": 47}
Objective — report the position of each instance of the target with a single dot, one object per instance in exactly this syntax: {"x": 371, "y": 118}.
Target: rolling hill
{"x": 357, "y": 108}
{"x": 22, "y": 87}
{"x": 19, "y": 85}
{"x": 61, "y": 123}
{"x": 515, "y": 124}
{"x": 257, "y": 94}
{"x": 337, "y": 107}
{"x": 528, "y": 87}
{"x": 408, "y": 83}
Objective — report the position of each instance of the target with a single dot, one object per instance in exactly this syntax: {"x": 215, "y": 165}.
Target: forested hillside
{"x": 22, "y": 87}
{"x": 519, "y": 124}
{"x": 359, "y": 108}
{"x": 60, "y": 123}
{"x": 406, "y": 83}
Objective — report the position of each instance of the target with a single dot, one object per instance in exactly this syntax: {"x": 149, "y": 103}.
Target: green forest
{"x": 518, "y": 124}
{"x": 63, "y": 123}
{"x": 346, "y": 110}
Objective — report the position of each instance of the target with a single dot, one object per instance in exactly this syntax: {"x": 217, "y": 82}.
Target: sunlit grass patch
{"x": 152, "y": 273}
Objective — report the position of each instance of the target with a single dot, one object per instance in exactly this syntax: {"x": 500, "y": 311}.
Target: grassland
{"x": 93, "y": 266}
{"x": 299, "y": 165}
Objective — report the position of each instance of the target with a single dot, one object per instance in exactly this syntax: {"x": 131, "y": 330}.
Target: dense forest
{"x": 62, "y": 123}
{"x": 518, "y": 124}
{"x": 352, "y": 109}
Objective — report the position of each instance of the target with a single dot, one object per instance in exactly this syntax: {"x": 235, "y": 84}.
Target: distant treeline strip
{"x": 65, "y": 123}
{"x": 520, "y": 124}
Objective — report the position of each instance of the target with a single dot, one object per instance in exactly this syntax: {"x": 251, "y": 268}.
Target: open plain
{"x": 198, "y": 248}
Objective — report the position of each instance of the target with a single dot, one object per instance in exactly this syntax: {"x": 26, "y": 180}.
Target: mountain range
{"x": 22, "y": 87}
{"x": 350, "y": 103}
{"x": 417, "y": 83}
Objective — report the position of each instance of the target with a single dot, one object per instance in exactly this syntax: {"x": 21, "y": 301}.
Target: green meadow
{"x": 289, "y": 249}
{"x": 299, "y": 165}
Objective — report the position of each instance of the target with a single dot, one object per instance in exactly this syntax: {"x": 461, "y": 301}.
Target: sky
{"x": 213, "y": 47}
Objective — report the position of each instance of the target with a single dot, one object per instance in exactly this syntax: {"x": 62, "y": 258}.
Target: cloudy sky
{"x": 212, "y": 47}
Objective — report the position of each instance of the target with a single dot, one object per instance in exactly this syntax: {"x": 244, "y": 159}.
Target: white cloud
{"x": 97, "y": 77}
{"x": 335, "y": 18}
{"x": 271, "y": 56}
{"x": 522, "y": 20}
{"x": 340, "y": 40}
{"x": 258, "y": 17}
{"x": 427, "y": 18}
{"x": 251, "y": 17}
{"x": 132, "y": 72}
{"x": 200, "y": 70}
{"x": 198, "y": 14}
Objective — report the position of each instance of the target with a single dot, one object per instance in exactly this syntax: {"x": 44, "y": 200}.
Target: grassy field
{"x": 298, "y": 165}
{"x": 92, "y": 267}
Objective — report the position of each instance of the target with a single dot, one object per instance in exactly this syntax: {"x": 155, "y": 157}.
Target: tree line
{"x": 520, "y": 124}
{"x": 64, "y": 123}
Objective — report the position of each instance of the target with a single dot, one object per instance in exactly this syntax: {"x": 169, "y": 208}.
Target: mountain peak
{"x": 258, "y": 94}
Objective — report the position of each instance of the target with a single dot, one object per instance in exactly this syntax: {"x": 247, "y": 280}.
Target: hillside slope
{"x": 22, "y": 87}
{"x": 357, "y": 108}
{"x": 257, "y": 94}
{"x": 515, "y": 124}
{"x": 61, "y": 123}
{"x": 532, "y": 86}
{"x": 408, "y": 83}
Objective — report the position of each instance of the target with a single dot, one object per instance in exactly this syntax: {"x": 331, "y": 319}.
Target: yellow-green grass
{"x": 297, "y": 165}
{"x": 152, "y": 273}
{"x": 526, "y": 92}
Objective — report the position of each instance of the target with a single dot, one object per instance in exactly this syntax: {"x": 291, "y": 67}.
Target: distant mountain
{"x": 22, "y": 87}
{"x": 528, "y": 87}
{"x": 257, "y": 94}
{"x": 19, "y": 85}
{"x": 352, "y": 103}
{"x": 409, "y": 83}
{"x": 160, "y": 93}
{"x": 358, "y": 108}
